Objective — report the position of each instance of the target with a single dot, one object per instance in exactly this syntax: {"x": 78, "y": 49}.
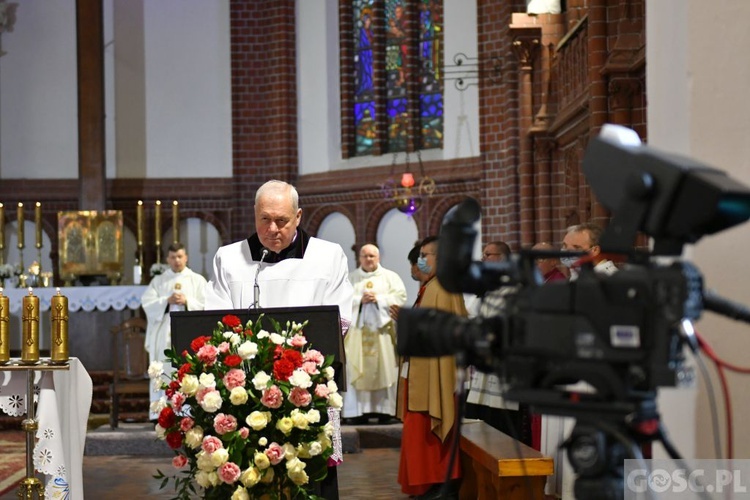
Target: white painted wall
{"x": 395, "y": 238}
{"x": 337, "y": 228}
{"x": 38, "y": 93}
{"x": 697, "y": 106}
{"x": 319, "y": 128}
{"x": 173, "y": 100}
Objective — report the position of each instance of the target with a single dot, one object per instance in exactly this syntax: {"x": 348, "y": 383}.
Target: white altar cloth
{"x": 86, "y": 298}
{"x": 64, "y": 400}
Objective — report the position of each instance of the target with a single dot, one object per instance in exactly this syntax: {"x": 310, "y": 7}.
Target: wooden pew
{"x": 493, "y": 468}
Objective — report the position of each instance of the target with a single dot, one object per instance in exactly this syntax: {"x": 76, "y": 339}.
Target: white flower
{"x": 328, "y": 372}
{"x": 260, "y": 380}
{"x": 238, "y": 396}
{"x": 194, "y": 437}
{"x": 334, "y": 400}
{"x": 228, "y": 334}
{"x": 289, "y": 451}
{"x": 261, "y": 461}
{"x": 277, "y": 339}
{"x": 257, "y": 420}
{"x": 155, "y": 369}
{"x": 203, "y": 479}
{"x": 247, "y": 350}
{"x": 313, "y": 416}
{"x": 235, "y": 339}
{"x": 250, "y": 477}
{"x": 204, "y": 462}
{"x": 219, "y": 457}
{"x": 263, "y": 441}
{"x": 299, "y": 420}
{"x": 240, "y": 494}
{"x": 300, "y": 378}
{"x": 262, "y": 334}
{"x": 207, "y": 380}
{"x": 212, "y": 401}
{"x": 332, "y": 387}
{"x": 158, "y": 405}
{"x": 189, "y": 385}
{"x": 161, "y": 432}
{"x": 315, "y": 448}
{"x": 285, "y": 425}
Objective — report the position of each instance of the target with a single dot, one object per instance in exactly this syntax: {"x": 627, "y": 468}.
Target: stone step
{"x": 140, "y": 439}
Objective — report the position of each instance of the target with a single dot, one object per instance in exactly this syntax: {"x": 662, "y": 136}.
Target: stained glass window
{"x": 422, "y": 43}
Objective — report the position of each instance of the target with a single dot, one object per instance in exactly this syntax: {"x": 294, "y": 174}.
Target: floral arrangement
{"x": 157, "y": 268}
{"x": 9, "y": 271}
{"x": 247, "y": 412}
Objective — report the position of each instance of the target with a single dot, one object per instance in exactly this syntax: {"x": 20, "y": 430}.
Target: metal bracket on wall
{"x": 466, "y": 71}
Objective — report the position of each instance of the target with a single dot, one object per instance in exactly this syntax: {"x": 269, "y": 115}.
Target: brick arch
{"x": 376, "y": 213}
{"x": 319, "y": 214}
{"x": 441, "y": 207}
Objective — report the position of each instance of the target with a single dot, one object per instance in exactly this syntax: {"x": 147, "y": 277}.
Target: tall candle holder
{"x": 4, "y": 328}
{"x": 21, "y": 244}
{"x": 2, "y": 234}
{"x": 157, "y": 230}
{"x": 59, "y": 320}
{"x": 38, "y": 227}
{"x": 30, "y": 329}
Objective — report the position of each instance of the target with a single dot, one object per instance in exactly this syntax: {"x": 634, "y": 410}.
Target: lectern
{"x": 323, "y": 331}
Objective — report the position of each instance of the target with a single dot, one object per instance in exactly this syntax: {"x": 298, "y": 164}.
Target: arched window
{"x": 392, "y": 87}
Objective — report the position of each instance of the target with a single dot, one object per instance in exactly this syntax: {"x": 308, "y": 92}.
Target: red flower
{"x": 282, "y": 369}
{"x": 184, "y": 370}
{"x": 294, "y": 357}
{"x": 231, "y": 320}
{"x": 167, "y": 418}
{"x": 278, "y": 351}
{"x": 172, "y": 388}
{"x": 248, "y": 332}
{"x": 232, "y": 360}
{"x": 199, "y": 342}
{"x": 174, "y": 439}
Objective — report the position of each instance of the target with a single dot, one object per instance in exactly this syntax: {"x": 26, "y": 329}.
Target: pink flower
{"x": 244, "y": 432}
{"x": 224, "y": 347}
{"x": 186, "y": 424}
{"x": 179, "y": 461}
{"x": 316, "y": 356}
{"x": 299, "y": 340}
{"x": 234, "y": 378}
{"x": 275, "y": 453}
{"x": 207, "y": 354}
{"x": 211, "y": 444}
{"x": 178, "y": 399}
{"x": 322, "y": 390}
{"x": 310, "y": 367}
{"x": 272, "y": 397}
{"x": 229, "y": 472}
{"x": 224, "y": 423}
{"x": 300, "y": 397}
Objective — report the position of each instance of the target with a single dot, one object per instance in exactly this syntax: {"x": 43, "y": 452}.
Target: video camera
{"x": 622, "y": 334}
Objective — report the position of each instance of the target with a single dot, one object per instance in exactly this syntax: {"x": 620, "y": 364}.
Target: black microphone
{"x": 256, "y": 287}
{"x": 718, "y": 304}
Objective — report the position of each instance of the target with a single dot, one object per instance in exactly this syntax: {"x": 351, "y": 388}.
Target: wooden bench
{"x": 496, "y": 466}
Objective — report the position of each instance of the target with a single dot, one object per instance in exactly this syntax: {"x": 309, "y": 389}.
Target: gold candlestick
{"x": 157, "y": 230}
{"x": 19, "y": 229}
{"x": 38, "y": 223}
{"x": 2, "y": 233}
{"x": 59, "y": 310}
{"x": 4, "y": 328}
{"x": 30, "y": 322}
{"x": 175, "y": 222}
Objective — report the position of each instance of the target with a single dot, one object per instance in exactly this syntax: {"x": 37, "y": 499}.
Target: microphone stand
{"x": 256, "y": 286}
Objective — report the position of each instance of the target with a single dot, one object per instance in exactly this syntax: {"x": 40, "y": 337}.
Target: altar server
{"x": 176, "y": 289}
{"x": 371, "y": 364}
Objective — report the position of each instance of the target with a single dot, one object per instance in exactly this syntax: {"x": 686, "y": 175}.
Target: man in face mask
{"x": 585, "y": 238}
{"x": 426, "y": 402}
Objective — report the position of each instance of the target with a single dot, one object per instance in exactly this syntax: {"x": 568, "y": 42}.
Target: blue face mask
{"x": 568, "y": 261}
{"x": 423, "y": 266}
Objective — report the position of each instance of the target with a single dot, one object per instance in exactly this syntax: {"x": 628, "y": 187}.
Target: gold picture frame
{"x": 90, "y": 245}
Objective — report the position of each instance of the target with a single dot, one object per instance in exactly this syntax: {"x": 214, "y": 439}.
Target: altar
{"x": 93, "y": 311}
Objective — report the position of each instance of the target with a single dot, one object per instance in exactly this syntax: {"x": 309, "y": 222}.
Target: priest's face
{"x": 276, "y": 220}
{"x": 177, "y": 260}
{"x": 369, "y": 258}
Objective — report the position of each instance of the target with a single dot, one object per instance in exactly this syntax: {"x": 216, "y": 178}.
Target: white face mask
{"x": 568, "y": 261}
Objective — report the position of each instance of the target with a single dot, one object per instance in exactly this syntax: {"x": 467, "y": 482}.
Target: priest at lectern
{"x": 280, "y": 265}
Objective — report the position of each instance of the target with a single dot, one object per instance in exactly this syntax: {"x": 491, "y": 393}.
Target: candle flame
{"x": 140, "y": 202}
{"x": 31, "y": 291}
{"x": 58, "y": 290}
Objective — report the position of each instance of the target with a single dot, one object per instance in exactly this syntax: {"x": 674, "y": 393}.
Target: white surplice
{"x": 370, "y": 355}
{"x": 319, "y": 278}
{"x": 154, "y": 302}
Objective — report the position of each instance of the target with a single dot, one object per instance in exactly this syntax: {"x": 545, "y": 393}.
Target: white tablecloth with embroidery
{"x": 86, "y": 298}
{"x": 64, "y": 400}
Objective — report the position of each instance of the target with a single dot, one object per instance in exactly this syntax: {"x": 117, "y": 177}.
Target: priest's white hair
{"x": 275, "y": 186}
